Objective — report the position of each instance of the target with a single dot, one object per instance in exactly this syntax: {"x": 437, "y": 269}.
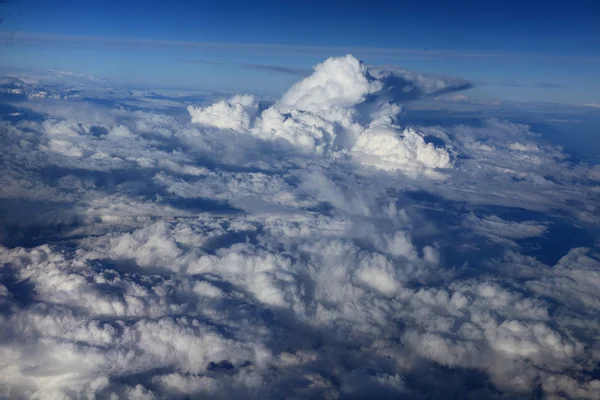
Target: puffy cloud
{"x": 235, "y": 113}
{"x": 303, "y": 130}
{"x": 342, "y": 81}
{"x": 330, "y": 110}
{"x": 65, "y": 148}
{"x": 384, "y": 147}
{"x": 305, "y": 251}
{"x": 594, "y": 173}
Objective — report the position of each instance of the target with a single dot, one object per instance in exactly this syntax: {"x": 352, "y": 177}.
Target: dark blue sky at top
{"x": 549, "y": 50}
{"x": 553, "y": 27}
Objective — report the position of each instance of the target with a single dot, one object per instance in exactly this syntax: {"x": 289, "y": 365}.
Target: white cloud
{"x": 308, "y": 251}
{"x": 234, "y": 113}
{"x": 523, "y": 147}
{"x": 458, "y": 97}
{"x": 594, "y": 173}
{"x": 504, "y": 232}
{"x": 64, "y": 147}
{"x": 323, "y": 113}
{"x": 342, "y": 81}
{"x": 384, "y": 147}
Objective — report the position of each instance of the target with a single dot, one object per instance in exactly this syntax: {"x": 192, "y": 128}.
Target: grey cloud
{"x": 410, "y": 85}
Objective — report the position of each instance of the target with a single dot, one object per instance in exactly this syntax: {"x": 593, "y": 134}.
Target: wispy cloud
{"x": 301, "y": 72}
{"x": 277, "y": 68}
{"x": 565, "y": 121}
{"x": 547, "y": 85}
{"x": 543, "y": 85}
{"x": 423, "y": 54}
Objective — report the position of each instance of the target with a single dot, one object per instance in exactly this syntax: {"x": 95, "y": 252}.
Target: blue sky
{"x": 514, "y": 50}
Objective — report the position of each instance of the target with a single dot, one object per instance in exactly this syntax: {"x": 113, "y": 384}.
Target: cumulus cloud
{"x": 317, "y": 247}
{"x": 385, "y": 147}
{"x": 234, "y": 113}
{"x": 336, "y": 82}
{"x": 343, "y": 108}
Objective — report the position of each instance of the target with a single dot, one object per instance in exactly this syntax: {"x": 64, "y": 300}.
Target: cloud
{"x": 594, "y": 173}
{"x": 403, "y": 84}
{"x": 302, "y": 72}
{"x": 543, "y": 85}
{"x": 565, "y": 121}
{"x": 277, "y": 68}
{"x": 317, "y": 247}
{"x": 330, "y": 111}
{"x": 504, "y": 232}
{"x": 232, "y": 114}
{"x": 336, "y": 82}
{"x": 458, "y": 97}
{"x": 383, "y": 147}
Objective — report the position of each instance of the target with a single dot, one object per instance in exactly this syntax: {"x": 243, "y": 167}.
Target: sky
{"x": 513, "y": 50}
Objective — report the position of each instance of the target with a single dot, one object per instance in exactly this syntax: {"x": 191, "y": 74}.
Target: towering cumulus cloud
{"x": 320, "y": 247}
{"x": 343, "y": 108}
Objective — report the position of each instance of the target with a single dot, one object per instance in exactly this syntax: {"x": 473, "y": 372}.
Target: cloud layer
{"x": 317, "y": 247}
